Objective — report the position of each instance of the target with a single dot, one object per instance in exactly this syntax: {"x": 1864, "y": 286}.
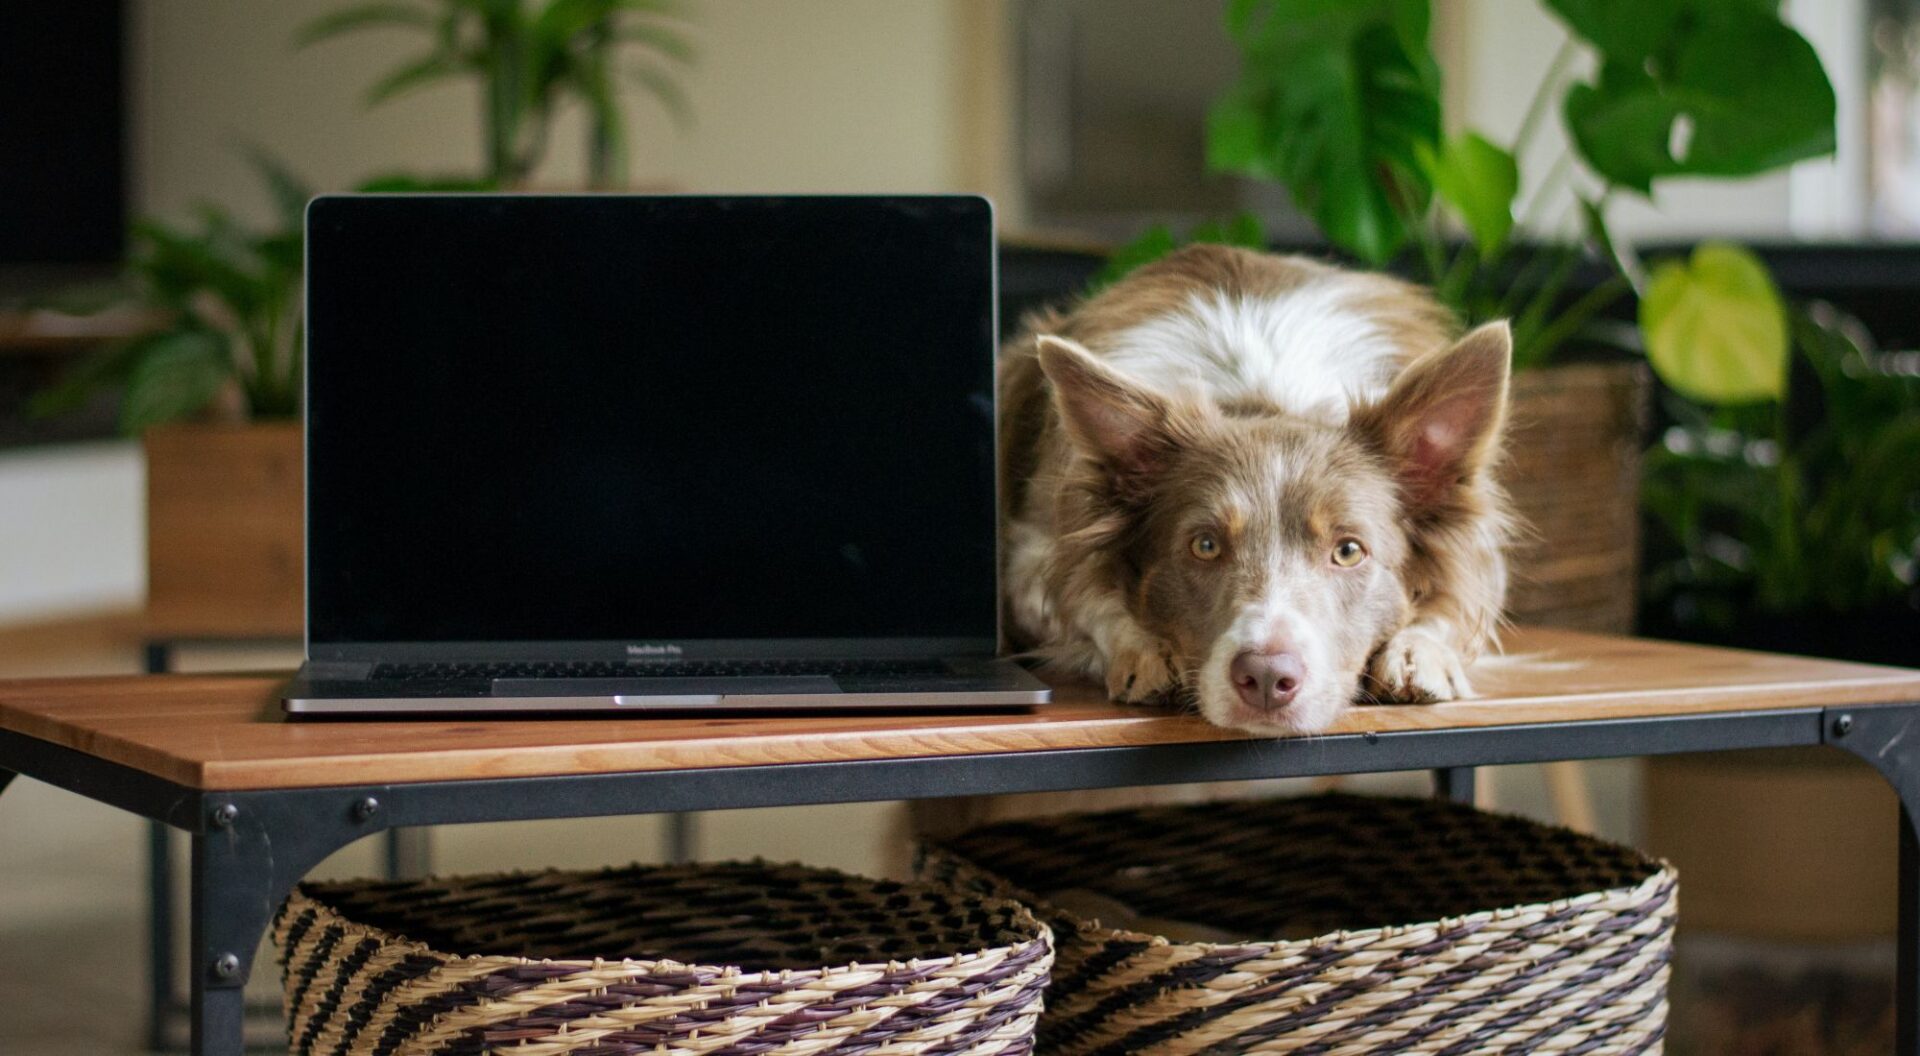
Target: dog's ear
{"x": 1109, "y": 417}
{"x": 1440, "y": 421}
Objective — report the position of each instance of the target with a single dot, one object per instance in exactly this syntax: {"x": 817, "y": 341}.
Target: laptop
{"x": 625, "y": 454}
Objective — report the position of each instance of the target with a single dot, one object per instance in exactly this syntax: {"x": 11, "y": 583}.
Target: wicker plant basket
{"x": 1573, "y": 469}
{"x": 1370, "y": 925}
{"x": 731, "y": 959}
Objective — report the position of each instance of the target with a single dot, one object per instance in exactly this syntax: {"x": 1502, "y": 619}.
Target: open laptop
{"x": 626, "y": 454}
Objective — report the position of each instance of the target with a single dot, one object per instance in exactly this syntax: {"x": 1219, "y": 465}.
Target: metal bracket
{"x": 1887, "y": 737}
{"x": 255, "y": 848}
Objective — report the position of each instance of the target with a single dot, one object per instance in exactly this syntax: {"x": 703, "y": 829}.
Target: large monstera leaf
{"x": 1338, "y": 100}
{"x": 1695, "y": 88}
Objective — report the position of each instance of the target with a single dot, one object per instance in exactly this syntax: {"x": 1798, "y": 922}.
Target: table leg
{"x": 409, "y": 854}
{"x": 160, "y": 942}
{"x": 1906, "y": 996}
{"x": 1454, "y": 783}
{"x": 1888, "y": 739}
{"x": 677, "y": 846}
{"x": 156, "y": 658}
{"x": 226, "y": 929}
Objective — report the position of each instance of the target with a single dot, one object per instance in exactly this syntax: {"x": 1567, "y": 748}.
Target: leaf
{"x": 290, "y": 193}
{"x": 1246, "y": 230}
{"x": 667, "y": 92}
{"x": 1479, "y": 180}
{"x": 1625, "y": 32}
{"x": 362, "y": 17}
{"x": 1337, "y": 101}
{"x": 1150, "y": 245}
{"x": 178, "y": 376}
{"x": 408, "y": 183}
{"x": 608, "y": 146}
{"x": 416, "y": 74}
{"x": 177, "y": 265}
{"x": 105, "y": 368}
{"x": 1243, "y": 230}
{"x": 1623, "y": 127}
{"x": 1757, "y": 95}
{"x": 1236, "y": 135}
{"x": 1730, "y": 90}
{"x": 1715, "y": 328}
{"x": 667, "y": 42}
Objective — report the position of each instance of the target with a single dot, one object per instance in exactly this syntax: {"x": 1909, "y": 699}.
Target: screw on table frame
{"x": 406, "y": 853}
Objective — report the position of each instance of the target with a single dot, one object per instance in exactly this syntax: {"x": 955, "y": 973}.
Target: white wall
{"x": 790, "y": 95}
{"x": 847, "y": 95}
{"x": 71, "y": 530}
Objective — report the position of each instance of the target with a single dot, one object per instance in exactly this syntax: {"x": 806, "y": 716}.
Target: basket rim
{"x": 1662, "y": 873}
{"x": 1021, "y": 918}
{"x": 1665, "y": 876}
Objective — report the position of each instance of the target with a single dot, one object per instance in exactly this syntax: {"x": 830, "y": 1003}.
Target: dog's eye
{"x": 1205, "y": 546}
{"x": 1349, "y": 552}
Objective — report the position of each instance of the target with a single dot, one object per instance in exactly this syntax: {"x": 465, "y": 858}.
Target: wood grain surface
{"x": 225, "y": 530}
{"x": 226, "y": 732}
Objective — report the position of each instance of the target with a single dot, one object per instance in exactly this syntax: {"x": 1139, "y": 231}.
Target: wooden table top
{"x": 226, "y": 732}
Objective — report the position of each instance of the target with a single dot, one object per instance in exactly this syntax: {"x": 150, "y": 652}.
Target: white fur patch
{"x": 1309, "y": 350}
{"x": 1029, "y": 552}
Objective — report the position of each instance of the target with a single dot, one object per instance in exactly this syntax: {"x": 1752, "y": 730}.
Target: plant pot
{"x": 1574, "y": 438}
{"x": 225, "y": 517}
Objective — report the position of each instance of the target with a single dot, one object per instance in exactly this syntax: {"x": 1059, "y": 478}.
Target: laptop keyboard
{"x": 652, "y": 669}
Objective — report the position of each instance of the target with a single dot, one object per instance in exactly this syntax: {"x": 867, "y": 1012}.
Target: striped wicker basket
{"x": 764, "y": 959}
{"x": 1332, "y": 924}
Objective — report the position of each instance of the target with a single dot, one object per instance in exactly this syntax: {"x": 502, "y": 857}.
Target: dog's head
{"x": 1272, "y": 552}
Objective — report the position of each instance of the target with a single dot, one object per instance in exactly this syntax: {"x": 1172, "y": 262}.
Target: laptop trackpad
{"x": 662, "y": 687}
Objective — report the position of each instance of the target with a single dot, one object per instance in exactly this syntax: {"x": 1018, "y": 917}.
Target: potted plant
{"x": 531, "y": 59}
{"x": 214, "y": 393}
{"x": 1341, "y": 104}
{"x": 1786, "y": 519}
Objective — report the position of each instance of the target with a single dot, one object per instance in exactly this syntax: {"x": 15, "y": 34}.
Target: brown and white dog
{"x": 1260, "y": 484}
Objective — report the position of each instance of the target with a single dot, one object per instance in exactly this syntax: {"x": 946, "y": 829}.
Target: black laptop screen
{"x": 645, "y": 419}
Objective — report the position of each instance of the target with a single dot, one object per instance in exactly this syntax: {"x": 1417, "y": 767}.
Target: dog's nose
{"x": 1267, "y": 681}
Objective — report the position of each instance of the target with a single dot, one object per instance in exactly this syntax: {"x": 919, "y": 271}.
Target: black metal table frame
{"x": 250, "y": 847}
{"x": 406, "y": 853}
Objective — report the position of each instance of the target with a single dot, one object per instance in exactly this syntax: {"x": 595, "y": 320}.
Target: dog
{"x": 1258, "y": 484}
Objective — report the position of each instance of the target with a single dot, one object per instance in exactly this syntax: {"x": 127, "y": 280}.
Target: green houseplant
{"x": 228, "y": 298}
{"x": 224, "y": 488}
{"x": 529, "y": 59}
{"x": 1794, "y": 523}
{"x": 1341, "y": 103}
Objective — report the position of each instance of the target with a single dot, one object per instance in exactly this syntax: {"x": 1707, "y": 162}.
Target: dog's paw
{"x": 1140, "y": 670}
{"x": 1417, "y": 667}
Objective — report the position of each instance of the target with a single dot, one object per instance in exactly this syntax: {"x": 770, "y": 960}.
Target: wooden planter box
{"x": 1574, "y": 438}
{"x": 225, "y": 517}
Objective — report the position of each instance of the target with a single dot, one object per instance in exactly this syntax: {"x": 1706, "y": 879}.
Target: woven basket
{"x": 764, "y": 959}
{"x": 1371, "y": 925}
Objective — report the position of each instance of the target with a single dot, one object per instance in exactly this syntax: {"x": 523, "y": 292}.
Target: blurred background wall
{"x": 848, "y": 95}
